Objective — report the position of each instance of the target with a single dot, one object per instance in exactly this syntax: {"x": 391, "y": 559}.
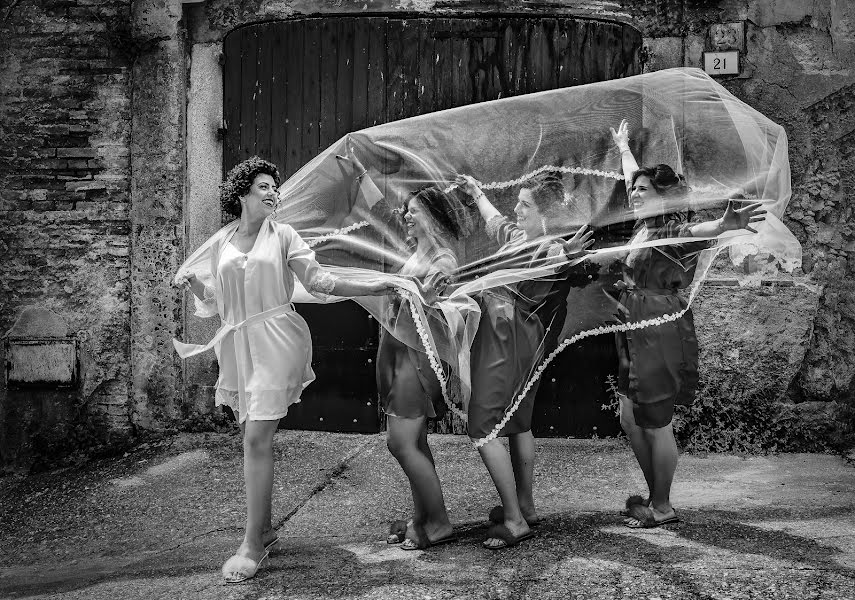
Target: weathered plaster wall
{"x": 94, "y": 178}
{"x": 157, "y": 196}
{"x": 65, "y": 132}
{"x": 203, "y": 214}
{"x": 799, "y": 70}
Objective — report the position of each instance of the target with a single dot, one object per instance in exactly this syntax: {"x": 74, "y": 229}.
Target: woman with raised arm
{"x": 509, "y": 338}
{"x": 246, "y": 274}
{"x": 410, "y": 392}
{"x": 658, "y": 365}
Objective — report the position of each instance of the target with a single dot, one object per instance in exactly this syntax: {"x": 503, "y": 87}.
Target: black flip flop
{"x": 646, "y": 519}
{"x": 423, "y": 542}
{"x": 497, "y": 515}
{"x": 503, "y": 533}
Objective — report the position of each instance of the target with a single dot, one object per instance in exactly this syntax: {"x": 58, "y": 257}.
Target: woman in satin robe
{"x": 246, "y": 275}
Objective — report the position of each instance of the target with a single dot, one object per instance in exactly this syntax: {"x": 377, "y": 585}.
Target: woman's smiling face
{"x": 262, "y": 198}
{"x": 529, "y": 218}
{"x": 416, "y": 219}
{"x": 642, "y": 193}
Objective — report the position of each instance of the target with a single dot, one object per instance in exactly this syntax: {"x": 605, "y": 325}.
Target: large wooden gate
{"x": 292, "y": 88}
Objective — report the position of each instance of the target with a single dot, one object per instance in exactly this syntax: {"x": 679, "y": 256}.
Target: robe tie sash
{"x": 186, "y": 350}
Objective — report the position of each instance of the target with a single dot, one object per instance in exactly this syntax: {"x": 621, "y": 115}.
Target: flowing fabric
{"x": 679, "y": 117}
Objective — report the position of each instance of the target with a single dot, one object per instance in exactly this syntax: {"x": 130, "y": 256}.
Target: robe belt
{"x": 187, "y": 350}
{"x": 631, "y": 288}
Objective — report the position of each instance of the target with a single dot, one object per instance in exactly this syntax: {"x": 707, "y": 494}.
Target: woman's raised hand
{"x": 433, "y": 286}
{"x": 184, "y": 280}
{"x": 358, "y": 168}
{"x": 468, "y": 184}
{"x": 742, "y": 218}
{"x": 579, "y": 244}
{"x": 621, "y": 136}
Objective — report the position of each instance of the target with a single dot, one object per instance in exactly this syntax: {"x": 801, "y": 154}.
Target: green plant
{"x": 732, "y": 419}
{"x": 613, "y": 404}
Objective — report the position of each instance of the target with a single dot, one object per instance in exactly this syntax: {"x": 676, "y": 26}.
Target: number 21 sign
{"x": 721, "y": 63}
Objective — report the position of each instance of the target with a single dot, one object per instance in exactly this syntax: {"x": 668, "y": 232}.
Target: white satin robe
{"x": 263, "y": 347}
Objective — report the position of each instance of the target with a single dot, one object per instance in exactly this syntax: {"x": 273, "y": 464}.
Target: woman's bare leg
{"x": 498, "y": 463}
{"x": 402, "y": 439}
{"x": 258, "y": 479}
{"x": 269, "y": 534}
{"x": 522, "y": 458}
{"x": 664, "y": 456}
{"x": 637, "y": 440}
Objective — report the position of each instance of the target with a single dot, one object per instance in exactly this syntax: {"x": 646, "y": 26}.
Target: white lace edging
{"x": 580, "y": 336}
{"x": 341, "y": 231}
{"x": 494, "y": 185}
{"x": 432, "y": 359}
{"x": 501, "y": 185}
{"x": 324, "y": 282}
{"x": 492, "y": 226}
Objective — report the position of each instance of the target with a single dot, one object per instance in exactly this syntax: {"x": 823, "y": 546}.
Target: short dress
{"x": 510, "y": 337}
{"x": 407, "y": 384}
{"x": 660, "y": 368}
{"x": 265, "y": 366}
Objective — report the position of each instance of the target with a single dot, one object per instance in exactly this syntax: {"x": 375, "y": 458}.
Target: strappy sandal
{"x": 272, "y": 545}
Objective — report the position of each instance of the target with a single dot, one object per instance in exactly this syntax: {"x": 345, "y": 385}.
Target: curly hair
{"x": 546, "y": 190}
{"x": 446, "y": 210}
{"x": 239, "y": 181}
{"x": 663, "y": 179}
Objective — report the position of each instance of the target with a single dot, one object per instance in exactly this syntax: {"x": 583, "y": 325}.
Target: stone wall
{"x": 65, "y": 134}
{"x": 93, "y": 166}
{"x": 798, "y": 69}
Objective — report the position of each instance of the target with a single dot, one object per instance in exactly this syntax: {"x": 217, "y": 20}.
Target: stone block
{"x": 663, "y": 53}
{"x": 76, "y": 152}
{"x": 41, "y": 361}
{"x": 81, "y": 186}
{"x": 756, "y": 338}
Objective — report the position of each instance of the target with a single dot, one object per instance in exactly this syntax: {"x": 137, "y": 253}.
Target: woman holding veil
{"x": 658, "y": 365}
{"x": 509, "y": 340}
{"x": 245, "y": 274}
{"x": 410, "y": 392}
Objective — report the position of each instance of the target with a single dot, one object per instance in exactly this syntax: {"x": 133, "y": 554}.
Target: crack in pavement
{"x": 334, "y": 474}
{"x": 108, "y": 568}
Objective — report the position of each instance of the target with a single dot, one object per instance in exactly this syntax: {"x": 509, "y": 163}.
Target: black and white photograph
{"x": 427, "y": 299}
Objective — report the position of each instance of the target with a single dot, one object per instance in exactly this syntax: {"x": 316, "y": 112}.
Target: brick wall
{"x": 65, "y": 114}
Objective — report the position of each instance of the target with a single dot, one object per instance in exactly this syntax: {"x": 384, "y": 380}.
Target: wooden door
{"x": 294, "y": 87}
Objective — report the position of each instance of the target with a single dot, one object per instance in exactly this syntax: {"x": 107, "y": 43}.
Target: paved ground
{"x": 159, "y": 522}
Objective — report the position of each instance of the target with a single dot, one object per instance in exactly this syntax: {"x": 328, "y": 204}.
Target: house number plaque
{"x": 721, "y": 63}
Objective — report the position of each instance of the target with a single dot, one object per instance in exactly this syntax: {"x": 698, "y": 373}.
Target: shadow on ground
{"x": 160, "y": 521}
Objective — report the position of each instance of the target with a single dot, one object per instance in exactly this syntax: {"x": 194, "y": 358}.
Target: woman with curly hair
{"x": 658, "y": 365}
{"x": 409, "y": 390}
{"x": 245, "y": 274}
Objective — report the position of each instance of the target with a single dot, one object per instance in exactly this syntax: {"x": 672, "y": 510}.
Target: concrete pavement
{"x": 159, "y": 522}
